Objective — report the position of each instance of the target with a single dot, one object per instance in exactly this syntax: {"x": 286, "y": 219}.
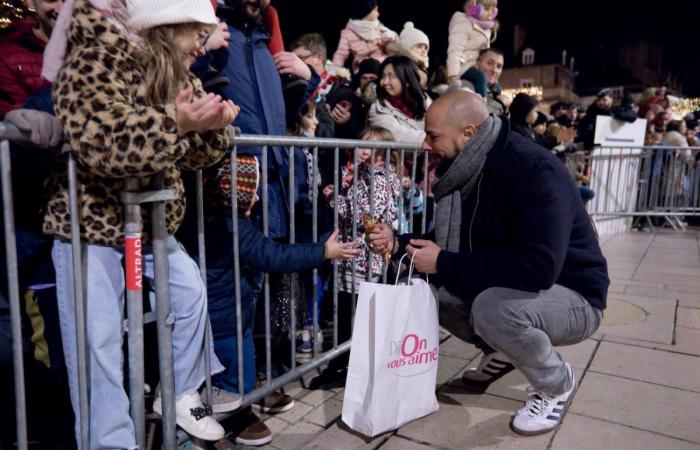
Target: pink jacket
{"x": 351, "y": 42}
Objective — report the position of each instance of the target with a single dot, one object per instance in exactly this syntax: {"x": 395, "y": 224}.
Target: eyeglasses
{"x": 202, "y": 40}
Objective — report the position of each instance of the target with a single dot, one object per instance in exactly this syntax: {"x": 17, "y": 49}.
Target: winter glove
{"x": 46, "y": 130}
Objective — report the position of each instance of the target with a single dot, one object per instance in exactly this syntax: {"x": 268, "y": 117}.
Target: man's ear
{"x": 469, "y": 131}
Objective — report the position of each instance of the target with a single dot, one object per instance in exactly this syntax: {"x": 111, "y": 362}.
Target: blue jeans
{"x": 110, "y": 424}
{"x": 227, "y": 351}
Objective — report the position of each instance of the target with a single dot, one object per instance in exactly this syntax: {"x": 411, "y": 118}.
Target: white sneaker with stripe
{"x": 491, "y": 367}
{"x": 542, "y": 412}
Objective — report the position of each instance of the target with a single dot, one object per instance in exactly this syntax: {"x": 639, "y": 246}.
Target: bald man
{"x": 513, "y": 254}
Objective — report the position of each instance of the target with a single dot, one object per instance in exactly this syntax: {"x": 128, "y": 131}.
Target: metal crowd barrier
{"x": 633, "y": 184}
{"x": 135, "y": 317}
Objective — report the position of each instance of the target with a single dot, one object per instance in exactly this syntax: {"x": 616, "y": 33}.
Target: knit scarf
{"x": 458, "y": 182}
{"x": 398, "y": 103}
{"x": 484, "y": 24}
{"x": 370, "y": 31}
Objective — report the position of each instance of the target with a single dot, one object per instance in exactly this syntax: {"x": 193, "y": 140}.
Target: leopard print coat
{"x": 99, "y": 96}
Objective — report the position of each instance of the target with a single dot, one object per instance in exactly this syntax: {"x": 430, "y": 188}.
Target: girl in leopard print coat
{"x": 131, "y": 109}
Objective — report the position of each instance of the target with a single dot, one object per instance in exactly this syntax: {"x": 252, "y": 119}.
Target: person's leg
{"x": 227, "y": 350}
{"x": 586, "y": 193}
{"x": 110, "y": 424}
{"x": 525, "y": 326}
{"x": 188, "y": 303}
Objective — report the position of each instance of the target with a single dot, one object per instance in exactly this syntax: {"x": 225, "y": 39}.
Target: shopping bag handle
{"x": 410, "y": 268}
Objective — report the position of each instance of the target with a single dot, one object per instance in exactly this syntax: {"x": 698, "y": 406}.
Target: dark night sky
{"x": 590, "y": 30}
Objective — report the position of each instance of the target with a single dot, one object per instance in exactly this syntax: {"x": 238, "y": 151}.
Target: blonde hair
{"x": 163, "y": 61}
{"x": 373, "y": 133}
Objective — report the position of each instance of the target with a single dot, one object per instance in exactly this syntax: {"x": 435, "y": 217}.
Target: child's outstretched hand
{"x": 340, "y": 250}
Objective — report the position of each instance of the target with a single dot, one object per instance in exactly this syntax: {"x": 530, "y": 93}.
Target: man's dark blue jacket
{"x": 524, "y": 227}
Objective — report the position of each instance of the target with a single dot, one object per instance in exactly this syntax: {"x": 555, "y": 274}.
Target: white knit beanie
{"x": 411, "y": 36}
{"x": 144, "y": 14}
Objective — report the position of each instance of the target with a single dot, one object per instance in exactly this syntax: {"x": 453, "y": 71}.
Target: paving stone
{"x": 471, "y": 421}
{"x": 276, "y": 425}
{"x": 584, "y": 433}
{"x": 687, "y": 342}
{"x": 326, "y": 413}
{"x": 449, "y": 368}
{"x": 340, "y": 437}
{"x": 659, "y": 277}
{"x": 297, "y": 436}
{"x": 295, "y": 414}
{"x": 398, "y": 443}
{"x": 458, "y": 348}
{"x": 688, "y": 318}
{"x": 657, "y": 327}
{"x": 578, "y": 355}
{"x": 641, "y": 405}
{"x": 686, "y": 299}
{"x": 316, "y": 397}
{"x": 653, "y": 366}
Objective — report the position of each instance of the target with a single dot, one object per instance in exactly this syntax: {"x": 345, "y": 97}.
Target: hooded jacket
{"x": 466, "y": 39}
{"x": 114, "y": 135}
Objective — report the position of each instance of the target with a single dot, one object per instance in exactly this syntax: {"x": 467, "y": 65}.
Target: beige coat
{"x": 401, "y": 126}
{"x": 466, "y": 39}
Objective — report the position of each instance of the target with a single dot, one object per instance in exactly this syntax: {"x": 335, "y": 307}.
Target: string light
{"x": 684, "y": 106}
{"x": 11, "y": 11}
{"x": 532, "y": 91}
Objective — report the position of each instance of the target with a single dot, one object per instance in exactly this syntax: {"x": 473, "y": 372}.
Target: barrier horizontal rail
{"x": 640, "y": 183}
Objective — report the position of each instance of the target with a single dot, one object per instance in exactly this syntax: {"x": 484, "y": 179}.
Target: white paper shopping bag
{"x": 393, "y": 358}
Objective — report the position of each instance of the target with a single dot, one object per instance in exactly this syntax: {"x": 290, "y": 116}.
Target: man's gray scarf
{"x": 456, "y": 184}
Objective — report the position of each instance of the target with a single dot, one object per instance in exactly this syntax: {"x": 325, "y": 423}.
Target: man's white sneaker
{"x": 491, "y": 367}
{"x": 542, "y": 412}
{"x": 193, "y": 417}
{"x": 222, "y": 401}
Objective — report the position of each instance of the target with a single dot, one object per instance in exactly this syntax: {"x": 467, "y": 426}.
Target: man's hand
{"x": 45, "y": 130}
{"x": 341, "y": 114}
{"x": 426, "y": 255}
{"x": 219, "y": 38}
{"x": 288, "y": 62}
{"x": 381, "y": 239}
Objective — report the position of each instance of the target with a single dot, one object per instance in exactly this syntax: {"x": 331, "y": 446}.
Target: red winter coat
{"x": 21, "y": 57}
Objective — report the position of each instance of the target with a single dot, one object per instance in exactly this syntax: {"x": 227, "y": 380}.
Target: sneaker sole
{"x": 275, "y": 410}
{"x": 254, "y": 442}
{"x": 227, "y": 407}
{"x": 532, "y": 433}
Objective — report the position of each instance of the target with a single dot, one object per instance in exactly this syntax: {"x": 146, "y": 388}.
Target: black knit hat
{"x": 361, "y": 8}
{"x": 541, "y": 119}
{"x": 521, "y": 106}
{"x": 369, "y": 65}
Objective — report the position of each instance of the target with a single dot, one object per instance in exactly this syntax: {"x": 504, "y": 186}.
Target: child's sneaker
{"x": 193, "y": 417}
{"x": 307, "y": 344}
{"x": 222, "y": 401}
{"x": 542, "y": 412}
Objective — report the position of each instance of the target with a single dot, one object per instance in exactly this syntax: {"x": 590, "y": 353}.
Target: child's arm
{"x": 458, "y": 38}
{"x": 343, "y": 52}
{"x": 263, "y": 253}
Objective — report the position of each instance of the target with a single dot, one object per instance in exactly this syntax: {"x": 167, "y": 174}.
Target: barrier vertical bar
{"x": 372, "y": 186}
{"x": 133, "y": 261}
{"x": 13, "y": 291}
{"x": 387, "y": 172}
{"x": 314, "y": 238}
{"x": 424, "y": 219}
{"x": 266, "y": 285}
{"x": 292, "y": 240}
{"x": 354, "y": 233}
{"x": 165, "y": 320}
{"x": 79, "y": 293}
{"x": 401, "y": 190}
{"x": 237, "y": 270}
{"x": 202, "y": 252}
{"x": 410, "y": 200}
{"x": 336, "y": 189}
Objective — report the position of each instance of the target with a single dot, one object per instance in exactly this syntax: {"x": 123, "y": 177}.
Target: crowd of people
{"x": 145, "y": 87}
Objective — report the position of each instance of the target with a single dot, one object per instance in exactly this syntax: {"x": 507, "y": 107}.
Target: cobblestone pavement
{"x": 638, "y": 377}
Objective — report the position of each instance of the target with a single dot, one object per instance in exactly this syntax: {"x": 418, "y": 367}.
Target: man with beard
{"x": 513, "y": 254}
{"x": 22, "y": 53}
{"x": 490, "y": 63}
{"x": 255, "y": 85}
